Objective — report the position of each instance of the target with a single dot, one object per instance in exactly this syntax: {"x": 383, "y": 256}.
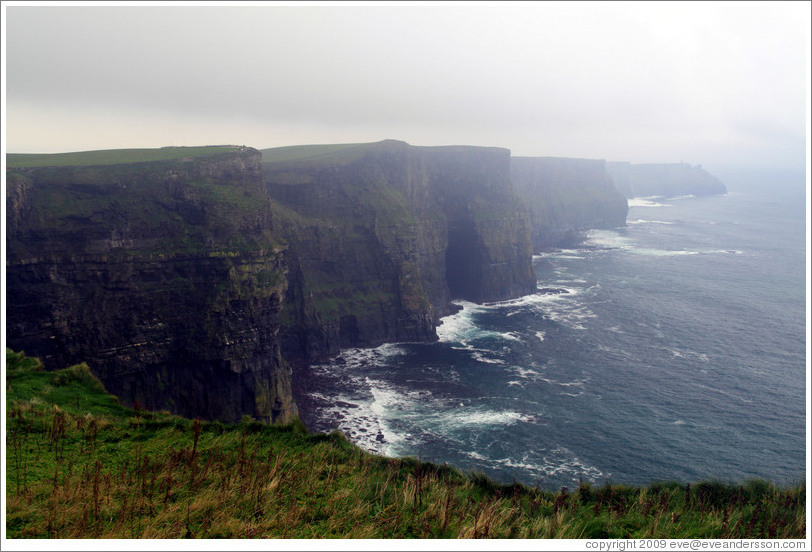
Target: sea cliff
{"x": 383, "y": 236}
{"x": 160, "y": 274}
{"x": 565, "y": 196}
{"x": 663, "y": 179}
{"x": 192, "y": 279}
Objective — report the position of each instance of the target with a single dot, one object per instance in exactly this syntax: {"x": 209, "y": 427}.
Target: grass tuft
{"x": 81, "y": 374}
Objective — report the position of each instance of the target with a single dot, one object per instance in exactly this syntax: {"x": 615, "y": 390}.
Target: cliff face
{"x": 663, "y": 179}
{"x": 382, "y": 236}
{"x": 163, "y": 276}
{"x": 489, "y": 252}
{"x": 183, "y": 280}
{"x": 566, "y": 196}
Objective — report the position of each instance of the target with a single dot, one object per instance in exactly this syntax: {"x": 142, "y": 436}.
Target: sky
{"x": 718, "y": 84}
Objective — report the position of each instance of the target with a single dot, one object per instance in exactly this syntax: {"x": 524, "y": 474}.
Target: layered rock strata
{"x": 162, "y": 276}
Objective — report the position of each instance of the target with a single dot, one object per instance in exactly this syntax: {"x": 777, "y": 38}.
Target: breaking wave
{"x": 646, "y": 202}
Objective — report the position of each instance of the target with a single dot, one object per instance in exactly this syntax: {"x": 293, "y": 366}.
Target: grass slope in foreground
{"x": 79, "y": 465}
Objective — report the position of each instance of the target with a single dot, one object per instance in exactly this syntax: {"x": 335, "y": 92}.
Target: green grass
{"x": 312, "y": 152}
{"x": 112, "y": 157}
{"x": 81, "y": 466}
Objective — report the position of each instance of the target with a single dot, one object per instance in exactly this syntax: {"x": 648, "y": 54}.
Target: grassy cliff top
{"x": 79, "y": 465}
{"x": 314, "y": 152}
{"x": 112, "y": 157}
{"x": 328, "y": 153}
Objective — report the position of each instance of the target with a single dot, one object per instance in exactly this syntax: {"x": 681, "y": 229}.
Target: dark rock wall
{"x": 489, "y": 252}
{"x": 663, "y": 179}
{"x": 184, "y": 283}
{"x": 381, "y": 238}
{"x": 163, "y": 277}
{"x": 566, "y": 196}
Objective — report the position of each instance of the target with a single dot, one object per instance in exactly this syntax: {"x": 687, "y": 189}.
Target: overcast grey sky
{"x": 721, "y": 84}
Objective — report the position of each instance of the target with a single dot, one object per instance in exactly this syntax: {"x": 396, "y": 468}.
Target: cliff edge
{"x": 160, "y": 273}
{"x": 383, "y": 236}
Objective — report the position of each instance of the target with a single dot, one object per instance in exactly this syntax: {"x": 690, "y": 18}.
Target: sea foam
{"x": 644, "y": 221}
{"x": 460, "y": 325}
{"x": 645, "y": 202}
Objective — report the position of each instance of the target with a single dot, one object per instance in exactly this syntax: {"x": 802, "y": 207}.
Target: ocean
{"x": 671, "y": 349}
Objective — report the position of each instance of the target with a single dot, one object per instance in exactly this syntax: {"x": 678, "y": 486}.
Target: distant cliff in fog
{"x": 566, "y": 196}
{"x": 663, "y": 179}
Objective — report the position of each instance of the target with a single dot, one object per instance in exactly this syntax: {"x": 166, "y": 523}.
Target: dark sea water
{"x": 672, "y": 349}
